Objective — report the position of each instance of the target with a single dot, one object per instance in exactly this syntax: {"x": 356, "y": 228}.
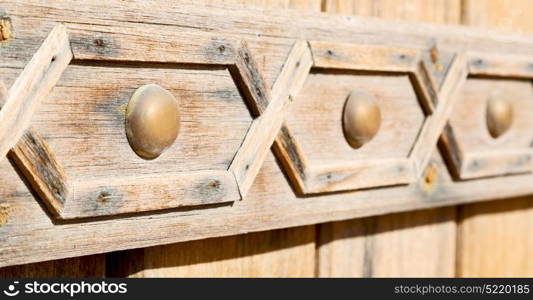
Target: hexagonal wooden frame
{"x": 465, "y": 165}
{"x": 67, "y": 199}
{"x": 437, "y": 105}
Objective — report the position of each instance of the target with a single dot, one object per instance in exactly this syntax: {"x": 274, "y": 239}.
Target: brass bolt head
{"x": 152, "y": 121}
{"x": 499, "y": 116}
{"x": 361, "y": 118}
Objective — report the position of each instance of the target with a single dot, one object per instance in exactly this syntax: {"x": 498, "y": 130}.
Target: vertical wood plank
{"x": 431, "y": 11}
{"x": 496, "y": 238}
{"x": 304, "y": 5}
{"x": 418, "y": 243}
{"x": 92, "y": 266}
{"x": 510, "y": 15}
{"x": 280, "y": 253}
{"x": 413, "y": 244}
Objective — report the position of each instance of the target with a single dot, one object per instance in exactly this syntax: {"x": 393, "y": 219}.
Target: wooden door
{"x": 486, "y": 239}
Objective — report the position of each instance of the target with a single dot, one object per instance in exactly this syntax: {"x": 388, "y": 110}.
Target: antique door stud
{"x": 361, "y": 118}
{"x": 152, "y": 121}
{"x": 499, "y": 116}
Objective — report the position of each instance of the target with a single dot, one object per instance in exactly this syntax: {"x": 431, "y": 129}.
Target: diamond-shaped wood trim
{"x": 466, "y": 165}
{"x": 438, "y": 105}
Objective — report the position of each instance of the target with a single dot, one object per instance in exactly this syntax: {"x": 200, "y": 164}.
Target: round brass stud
{"x": 499, "y": 116}
{"x": 152, "y": 121}
{"x": 361, "y": 118}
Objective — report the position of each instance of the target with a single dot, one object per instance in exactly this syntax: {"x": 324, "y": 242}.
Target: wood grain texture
{"x": 92, "y": 266}
{"x": 280, "y": 253}
{"x": 500, "y": 65}
{"x": 32, "y": 86}
{"x": 435, "y": 123}
{"x": 495, "y": 238}
{"x": 87, "y": 107}
{"x": 432, "y": 11}
{"x": 277, "y": 253}
{"x": 28, "y": 234}
{"x": 478, "y": 153}
{"x": 415, "y": 244}
{"x": 364, "y": 57}
{"x": 505, "y": 15}
{"x": 265, "y": 128}
{"x": 331, "y": 164}
{"x": 38, "y": 164}
{"x": 302, "y": 5}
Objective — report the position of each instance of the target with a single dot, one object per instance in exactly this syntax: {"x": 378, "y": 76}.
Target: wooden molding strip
{"x": 476, "y": 165}
{"x": 375, "y": 173}
{"x": 265, "y": 128}
{"x": 141, "y": 193}
{"x": 310, "y": 179}
{"x": 435, "y": 123}
{"x": 491, "y": 163}
{"x": 34, "y": 159}
{"x": 364, "y": 57}
{"x": 32, "y": 86}
{"x": 501, "y": 65}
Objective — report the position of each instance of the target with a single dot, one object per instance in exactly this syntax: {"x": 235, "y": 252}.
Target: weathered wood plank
{"x": 141, "y": 193}
{"x": 500, "y": 65}
{"x": 362, "y": 174}
{"x": 247, "y": 76}
{"x": 483, "y": 164}
{"x": 282, "y": 253}
{"x": 410, "y": 244}
{"x": 265, "y": 128}
{"x": 432, "y": 11}
{"x": 30, "y": 236}
{"x": 495, "y": 238}
{"x": 473, "y": 152}
{"x": 32, "y": 86}
{"x": 318, "y": 149}
{"x": 364, "y": 57}
{"x": 416, "y": 244}
{"x": 436, "y": 122}
{"x": 41, "y": 169}
{"x": 36, "y": 161}
{"x": 508, "y": 15}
